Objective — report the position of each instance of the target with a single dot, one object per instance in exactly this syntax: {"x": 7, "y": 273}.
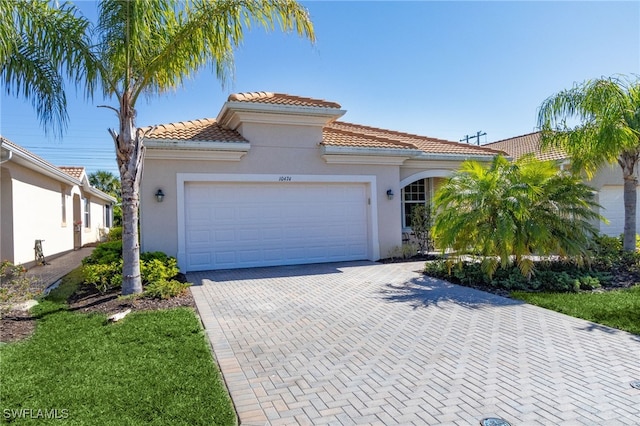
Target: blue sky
{"x": 440, "y": 69}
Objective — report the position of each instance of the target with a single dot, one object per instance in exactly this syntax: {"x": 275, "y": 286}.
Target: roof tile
{"x": 518, "y": 146}
{"x": 281, "y": 99}
{"x": 74, "y": 172}
{"x": 205, "y": 129}
{"x": 340, "y": 133}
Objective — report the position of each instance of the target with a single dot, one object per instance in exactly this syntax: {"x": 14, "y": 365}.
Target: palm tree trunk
{"x": 628, "y": 162}
{"x": 129, "y": 152}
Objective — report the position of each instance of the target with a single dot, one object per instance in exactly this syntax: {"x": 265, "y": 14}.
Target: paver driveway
{"x": 366, "y": 343}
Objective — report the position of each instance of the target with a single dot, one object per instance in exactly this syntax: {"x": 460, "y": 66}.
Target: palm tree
{"x": 39, "y": 47}
{"x": 608, "y": 112}
{"x": 510, "y": 211}
{"x": 106, "y": 182}
{"x": 109, "y": 183}
{"x": 148, "y": 47}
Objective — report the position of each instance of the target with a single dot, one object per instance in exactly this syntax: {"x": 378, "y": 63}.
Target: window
{"x": 414, "y": 194}
{"x": 108, "y": 216}
{"x": 87, "y": 213}
{"x": 63, "y": 200}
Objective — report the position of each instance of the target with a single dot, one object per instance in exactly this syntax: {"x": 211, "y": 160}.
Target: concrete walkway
{"x": 46, "y": 275}
{"x": 364, "y": 343}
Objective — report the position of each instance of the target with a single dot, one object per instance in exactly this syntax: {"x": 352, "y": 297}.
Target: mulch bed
{"x": 17, "y": 325}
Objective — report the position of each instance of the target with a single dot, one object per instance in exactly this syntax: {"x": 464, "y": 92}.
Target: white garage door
{"x": 237, "y": 225}
{"x": 611, "y": 199}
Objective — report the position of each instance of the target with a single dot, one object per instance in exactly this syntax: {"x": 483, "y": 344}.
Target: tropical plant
{"x": 507, "y": 212}
{"x": 608, "y": 131}
{"x": 109, "y": 183}
{"x": 421, "y": 223}
{"x": 106, "y": 182}
{"x": 143, "y": 47}
{"x": 40, "y": 45}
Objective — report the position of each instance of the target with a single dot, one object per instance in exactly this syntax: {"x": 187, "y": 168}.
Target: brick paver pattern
{"x": 365, "y": 343}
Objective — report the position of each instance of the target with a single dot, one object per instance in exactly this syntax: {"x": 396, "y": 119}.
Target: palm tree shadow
{"x": 425, "y": 291}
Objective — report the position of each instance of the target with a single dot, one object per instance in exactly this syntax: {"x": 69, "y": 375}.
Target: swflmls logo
{"x": 29, "y": 413}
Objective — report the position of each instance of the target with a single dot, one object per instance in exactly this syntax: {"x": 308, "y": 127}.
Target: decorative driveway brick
{"x": 367, "y": 343}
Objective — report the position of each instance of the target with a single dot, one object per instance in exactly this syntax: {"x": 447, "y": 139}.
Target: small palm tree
{"x": 106, "y": 182}
{"x": 608, "y": 131}
{"x": 508, "y": 212}
{"x": 138, "y": 48}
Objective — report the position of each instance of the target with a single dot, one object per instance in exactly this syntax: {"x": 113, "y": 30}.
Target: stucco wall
{"x": 37, "y": 215}
{"x": 32, "y": 210}
{"x": 277, "y": 150}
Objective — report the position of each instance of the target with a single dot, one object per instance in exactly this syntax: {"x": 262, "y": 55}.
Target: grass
{"x": 618, "y": 309}
{"x": 153, "y": 368}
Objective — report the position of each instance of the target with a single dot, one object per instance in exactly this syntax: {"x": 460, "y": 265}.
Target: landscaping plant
{"x": 507, "y": 213}
{"x": 135, "y": 49}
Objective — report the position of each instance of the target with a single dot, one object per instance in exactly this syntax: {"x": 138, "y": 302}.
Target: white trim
{"x": 153, "y": 144}
{"x": 378, "y": 160}
{"x": 233, "y": 113}
{"x": 192, "y": 154}
{"x": 25, "y": 158}
{"x": 351, "y": 150}
{"x": 425, "y": 174}
{"x": 458, "y": 157}
{"x": 183, "y": 178}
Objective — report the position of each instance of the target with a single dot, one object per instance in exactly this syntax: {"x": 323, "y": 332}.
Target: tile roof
{"x": 281, "y": 99}
{"x": 205, "y": 129}
{"x": 518, "y": 146}
{"x": 340, "y": 133}
{"x": 74, "y": 172}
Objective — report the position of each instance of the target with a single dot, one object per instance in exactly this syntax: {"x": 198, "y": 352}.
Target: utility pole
{"x": 476, "y": 136}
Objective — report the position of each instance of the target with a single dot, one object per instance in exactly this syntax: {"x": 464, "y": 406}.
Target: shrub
{"x": 155, "y": 270}
{"x": 511, "y": 211}
{"x": 104, "y": 277}
{"x": 16, "y": 286}
{"x": 105, "y": 253}
{"x": 165, "y": 289}
{"x": 150, "y": 255}
{"x": 421, "y": 223}
{"x": 549, "y": 276}
{"x": 115, "y": 234}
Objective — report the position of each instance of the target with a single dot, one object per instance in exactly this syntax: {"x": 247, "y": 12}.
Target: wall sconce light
{"x": 390, "y": 194}
{"x": 159, "y": 195}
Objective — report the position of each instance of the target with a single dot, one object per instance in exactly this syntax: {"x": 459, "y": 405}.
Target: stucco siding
{"x": 37, "y": 215}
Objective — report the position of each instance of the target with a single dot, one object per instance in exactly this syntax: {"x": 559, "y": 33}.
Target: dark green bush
{"x": 105, "y": 253}
{"x": 103, "y": 269}
{"x": 115, "y": 234}
{"x": 554, "y": 276}
{"x": 150, "y": 255}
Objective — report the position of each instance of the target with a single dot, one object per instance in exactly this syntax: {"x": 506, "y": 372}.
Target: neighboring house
{"x": 39, "y": 201}
{"x": 607, "y": 181}
{"x": 275, "y": 179}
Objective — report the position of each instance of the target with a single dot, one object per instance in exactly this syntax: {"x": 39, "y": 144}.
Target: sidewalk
{"x": 46, "y": 275}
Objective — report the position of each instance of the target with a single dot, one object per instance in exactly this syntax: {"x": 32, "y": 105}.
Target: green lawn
{"x": 619, "y": 309}
{"x": 151, "y": 368}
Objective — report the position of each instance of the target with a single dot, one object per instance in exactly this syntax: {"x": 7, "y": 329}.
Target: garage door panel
{"x": 232, "y": 225}
{"x": 611, "y": 198}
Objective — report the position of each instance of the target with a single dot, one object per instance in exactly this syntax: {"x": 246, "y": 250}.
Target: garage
{"x": 249, "y": 224}
{"x": 611, "y": 199}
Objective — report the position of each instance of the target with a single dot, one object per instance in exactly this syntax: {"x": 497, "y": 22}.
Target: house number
{"x": 284, "y": 179}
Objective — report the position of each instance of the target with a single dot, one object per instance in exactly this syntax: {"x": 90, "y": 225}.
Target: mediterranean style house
{"x": 277, "y": 179}
{"x": 607, "y": 182}
{"x": 41, "y": 202}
